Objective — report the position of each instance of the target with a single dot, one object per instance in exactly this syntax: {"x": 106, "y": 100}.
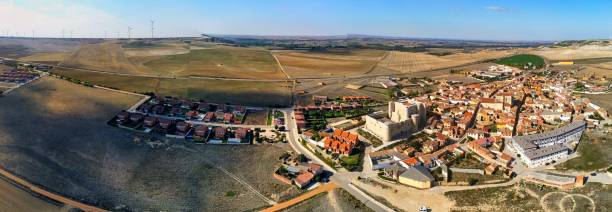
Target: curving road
{"x": 342, "y": 179}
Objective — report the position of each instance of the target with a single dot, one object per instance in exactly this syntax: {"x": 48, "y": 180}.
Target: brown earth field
{"x": 595, "y": 71}
{"x": 415, "y": 62}
{"x": 603, "y": 100}
{"x": 46, "y": 57}
{"x": 256, "y": 117}
{"x": 336, "y": 200}
{"x": 13, "y": 198}
{"x": 229, "y": 62}
{"x": 336, "y": 88}
{"x": 108, "y": 57}
{"x": 58, "y": 138}
{"x": 573, "y": 53}
{"x": 301, "y": 64}
{"x": 221, "y": 91}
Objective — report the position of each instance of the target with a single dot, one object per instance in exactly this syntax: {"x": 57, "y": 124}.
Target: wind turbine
{"x": 152, "y": 28}
{"x": 130, "y": 33}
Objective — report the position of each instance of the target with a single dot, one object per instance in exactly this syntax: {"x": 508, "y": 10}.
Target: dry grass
{"x": 321, "y": 64}
{"x": 220, "y": 62}
{"x": 235, "y": 92}
{"x": 256, "y": 117}
{"x": 62, "y": 142}
{"x": 13, "y": 198}
{"x": 336, "y": 200}
{"x": 163, "y": 49}
{"x": 106, "y": 57}
{"x": 46, "y": 57}
{"x": 572, "y": 53}
{"x": 415, "y": 62}
{"x": 598, "y": 71}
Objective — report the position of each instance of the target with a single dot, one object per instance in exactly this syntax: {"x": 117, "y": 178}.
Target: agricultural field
{"x": 603, "y": 100}
{"x": 336, "y": 88}
{"x": 256, "y": 117}
{"x": 522, "y": 60}
{"x": 229, "y": 62}
{"x": 303, "y": 64}
{"x": 221, "y": 91}
{"x": 407, "y": 62}
{"x": 22, "y": 47}
{"x": 48, "y": 57}
{"x": 14, "y": 198}
{"x": 108, "y": 57}
{"x": 597, "y": 71}
{"x": 574, "y": 53}
{"x": 63, "y": 143}
{"x": 335, "y": 200}
{"x": 156, "y": 49}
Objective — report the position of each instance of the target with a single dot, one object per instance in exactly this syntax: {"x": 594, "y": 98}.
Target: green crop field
{"x": 522, "y": 60}
{"x": 220, "y": 62}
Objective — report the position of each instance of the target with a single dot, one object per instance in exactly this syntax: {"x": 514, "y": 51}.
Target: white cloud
{"x": 497, "y": 9}
{"x": 48, "y": 18}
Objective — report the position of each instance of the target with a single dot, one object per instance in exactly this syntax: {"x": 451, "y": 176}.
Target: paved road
{"x": 342, "y": 179}
{"x": 323, "y": 188}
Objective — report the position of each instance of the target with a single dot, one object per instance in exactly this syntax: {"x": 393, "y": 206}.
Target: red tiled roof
{"x": 304, "y": 178}
{"x": 411, "y": 161}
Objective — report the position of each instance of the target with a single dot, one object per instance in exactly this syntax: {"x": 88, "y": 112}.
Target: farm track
{"x": 48, "y": 194}
{"x": 364, "y": 76}
{"x": 283, "y": 205}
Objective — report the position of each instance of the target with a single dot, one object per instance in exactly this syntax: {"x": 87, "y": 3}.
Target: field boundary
{"x": 53, "y": 196}
{"x": 283, "y": 205}
{"x": 281, "y": 66}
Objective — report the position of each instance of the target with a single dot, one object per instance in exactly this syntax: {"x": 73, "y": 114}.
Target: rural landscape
{"x": 263, "y": 122}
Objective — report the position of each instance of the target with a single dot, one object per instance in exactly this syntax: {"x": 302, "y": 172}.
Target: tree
{"x": 302, "y": 158}
{"x": 472, "y": 181}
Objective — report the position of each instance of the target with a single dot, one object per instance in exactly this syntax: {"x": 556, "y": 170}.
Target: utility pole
{"x": 63, "y": 34}
{"x": 32, "y": 34}
{"x": 152, "y": 28}
{"x": 70, "y": 34}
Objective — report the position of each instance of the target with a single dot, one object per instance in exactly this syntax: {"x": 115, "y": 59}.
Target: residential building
{"x": 540, "y": 149}
{"x": 417, "y": 176}
{"x": 341, "y": 142}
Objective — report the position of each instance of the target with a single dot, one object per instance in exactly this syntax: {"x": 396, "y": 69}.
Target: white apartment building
{"x": 539, "y": 149}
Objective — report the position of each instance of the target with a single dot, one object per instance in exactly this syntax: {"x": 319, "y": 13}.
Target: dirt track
{"x": 323, "y": 188}
{"x": 16, "y": 198}
{"x": 48, "y": 194}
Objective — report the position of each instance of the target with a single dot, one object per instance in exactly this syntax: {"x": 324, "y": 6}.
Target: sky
{"x": 515, "y": 20}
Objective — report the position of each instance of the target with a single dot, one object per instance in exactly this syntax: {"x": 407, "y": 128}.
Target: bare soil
{"x": 58, "y": 138}
{"x": 13, "y": 198}
{"x": 335, "y": 200}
